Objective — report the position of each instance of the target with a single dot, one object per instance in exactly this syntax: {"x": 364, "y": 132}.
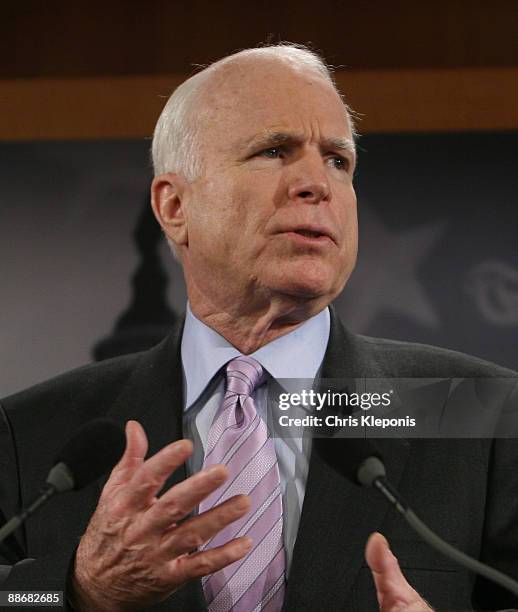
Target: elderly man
{"x": 254, "y": 160}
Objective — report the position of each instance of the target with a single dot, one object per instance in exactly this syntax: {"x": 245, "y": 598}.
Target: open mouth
{"x": 309, "y": 234}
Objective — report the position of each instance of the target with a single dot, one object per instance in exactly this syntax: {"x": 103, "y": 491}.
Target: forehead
{"x": 245, "y": 100}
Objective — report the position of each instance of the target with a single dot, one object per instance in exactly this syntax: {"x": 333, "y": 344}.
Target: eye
{"x": 340, "y": 163}
{"x": 271, "y": 152}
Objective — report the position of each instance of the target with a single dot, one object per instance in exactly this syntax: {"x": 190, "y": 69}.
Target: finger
{"x": 132, "y": 458}
{"x": 136, "y": 446}
{"x": 151, "y": 475}
{"x": 392, "y": 588}
{"x": 196, "y": 531}
{"x": 181, "y": 499}
{"x": 188, "y": 567}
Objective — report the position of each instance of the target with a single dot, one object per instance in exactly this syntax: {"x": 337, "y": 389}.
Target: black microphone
{"x": 10, "y": 549}
{"x": 359, "y": 460}
{"x": 91, "y": 452}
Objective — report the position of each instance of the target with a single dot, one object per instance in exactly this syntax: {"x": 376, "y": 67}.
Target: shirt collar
{"x": 298, "y": 354}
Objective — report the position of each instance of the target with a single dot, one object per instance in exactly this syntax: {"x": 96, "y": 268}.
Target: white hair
{"x": 176, "y": 137}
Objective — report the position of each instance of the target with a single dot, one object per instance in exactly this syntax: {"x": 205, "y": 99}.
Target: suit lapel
{"x": 338, "y": 516}
{"x": 153, "y": 395}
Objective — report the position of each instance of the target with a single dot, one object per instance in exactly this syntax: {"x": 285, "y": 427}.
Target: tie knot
{"x": 244, "y": 374}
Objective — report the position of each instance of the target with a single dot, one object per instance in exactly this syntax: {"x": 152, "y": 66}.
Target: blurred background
{"x": 84, "y": 273}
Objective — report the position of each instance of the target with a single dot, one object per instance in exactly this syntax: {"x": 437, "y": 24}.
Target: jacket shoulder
{"x": 409, "y": 359}
{"x": 87, "y": 388}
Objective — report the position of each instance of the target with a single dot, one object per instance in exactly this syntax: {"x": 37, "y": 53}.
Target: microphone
{"x": 10, "y": 549}
{"x": 93, "y": 450}
{"x": 364, "y": 466}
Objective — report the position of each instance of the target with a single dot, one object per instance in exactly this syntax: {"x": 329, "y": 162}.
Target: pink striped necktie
{"x": 238, "y": 438}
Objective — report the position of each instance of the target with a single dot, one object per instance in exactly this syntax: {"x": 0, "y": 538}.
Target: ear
{"x": 168, "y": 193}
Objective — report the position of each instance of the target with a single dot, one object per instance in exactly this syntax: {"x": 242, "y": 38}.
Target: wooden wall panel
{"x": 58, "y": 38}
{"x": 388, "y": 100}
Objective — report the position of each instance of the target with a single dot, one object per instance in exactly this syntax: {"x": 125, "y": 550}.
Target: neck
{"x": 250, "y": 330}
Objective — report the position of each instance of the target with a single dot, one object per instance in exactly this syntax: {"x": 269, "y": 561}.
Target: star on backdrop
{"x": 387, "y": 273}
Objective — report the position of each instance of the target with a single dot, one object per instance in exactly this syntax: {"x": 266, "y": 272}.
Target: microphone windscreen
{"x": 92, "y": 451}
{"x": 346, "y": 455}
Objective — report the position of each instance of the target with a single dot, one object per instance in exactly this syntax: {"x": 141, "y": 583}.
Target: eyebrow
{"x": 274, "y": 139}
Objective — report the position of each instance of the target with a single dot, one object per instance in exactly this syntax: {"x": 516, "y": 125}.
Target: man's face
{"x": 274, "y": 212}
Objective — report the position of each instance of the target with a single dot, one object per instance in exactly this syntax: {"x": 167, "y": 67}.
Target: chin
{"x": 307, "y": 277}
{"x": 310, "y": 282}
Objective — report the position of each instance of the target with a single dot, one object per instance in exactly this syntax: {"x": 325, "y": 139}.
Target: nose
{"x": 309, "y": 184}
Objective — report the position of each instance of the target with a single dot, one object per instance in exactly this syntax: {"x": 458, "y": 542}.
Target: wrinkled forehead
{"x": 252, "y": 97}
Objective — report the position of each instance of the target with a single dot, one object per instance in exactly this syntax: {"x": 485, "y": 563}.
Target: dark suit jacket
{"x": 466, "y": 490}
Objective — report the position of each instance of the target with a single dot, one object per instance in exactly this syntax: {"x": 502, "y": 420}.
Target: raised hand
{"x": 137, "y": 550}
{"x": 393, "y": 591}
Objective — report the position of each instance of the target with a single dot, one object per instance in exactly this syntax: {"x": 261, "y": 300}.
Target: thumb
{"x": 393, "y": 591}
